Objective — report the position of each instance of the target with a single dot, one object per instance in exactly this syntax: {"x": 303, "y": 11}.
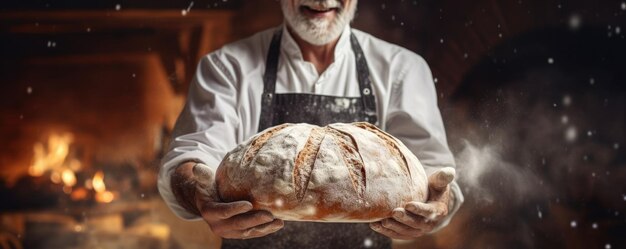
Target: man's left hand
{"x": 418, "y": 218}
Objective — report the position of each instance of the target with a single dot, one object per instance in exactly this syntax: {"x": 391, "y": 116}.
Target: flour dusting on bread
{"x": 338, "y": 173}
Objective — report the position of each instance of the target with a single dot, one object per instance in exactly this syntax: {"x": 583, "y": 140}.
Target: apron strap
{"x": 365, "y": 85}
{"x": 269, "y": 82}
{"x": 368, "y": 99}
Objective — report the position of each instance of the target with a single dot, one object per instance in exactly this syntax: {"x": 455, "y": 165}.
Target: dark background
{"x": 532, "y": 94}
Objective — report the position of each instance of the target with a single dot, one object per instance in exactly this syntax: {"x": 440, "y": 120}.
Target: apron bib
{"x": 318, "y": 110}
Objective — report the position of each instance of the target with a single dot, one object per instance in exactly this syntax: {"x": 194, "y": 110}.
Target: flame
{"x": 39, "y": 166}
{"x": 105, "y": 197}
{"x": 98, "y": 182}
{"x": 68, "y": 177}
{"x": 102, "y": 195}
{"x": 53, "y": 156}
{"x": 59, "y": 148}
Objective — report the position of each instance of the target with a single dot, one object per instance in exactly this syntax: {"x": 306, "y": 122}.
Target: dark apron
{"x": 319, "y": 110}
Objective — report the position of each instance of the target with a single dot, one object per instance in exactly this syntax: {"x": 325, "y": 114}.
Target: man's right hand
{"x": 235, "y": 220}
{"x": 194, "y": 187}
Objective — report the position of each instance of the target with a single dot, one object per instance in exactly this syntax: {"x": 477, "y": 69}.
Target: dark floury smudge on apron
{"x": 319, "y": 110}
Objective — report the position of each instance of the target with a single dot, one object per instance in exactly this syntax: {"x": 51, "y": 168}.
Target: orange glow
{"x": 67, "y": 190}
{"x": 55, "y": 177}
{"x": 54, "y": 158}
{"x": 102, "y": 195}
{"x": 79, "y": 194}
{"x": 68, "y": 177}
{"x": 88, "y": 184}
{"x": 97, "y": 182}
{"x": 75, "y": 165}
{"x": 39, "y": 165}
{"x": 51, "y": 156}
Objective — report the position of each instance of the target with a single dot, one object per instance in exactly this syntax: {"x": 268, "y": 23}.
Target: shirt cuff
{"x": 164, "y": 181}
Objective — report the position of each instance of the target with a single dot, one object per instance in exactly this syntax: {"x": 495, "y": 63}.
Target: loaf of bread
{"x": 337, "y": 173}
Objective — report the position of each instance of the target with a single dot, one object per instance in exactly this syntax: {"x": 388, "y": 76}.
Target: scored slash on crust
{"x": 352, "y": 158}
{"x": 305, "y": 161}
{"x": 258, "y": 143}
{"x": 390, "y": 141}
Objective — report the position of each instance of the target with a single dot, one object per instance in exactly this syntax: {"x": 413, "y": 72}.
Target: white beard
{"x": 319, "y": 31}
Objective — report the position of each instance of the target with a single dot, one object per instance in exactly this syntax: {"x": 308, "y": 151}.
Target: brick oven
{"x": 88, "y": 100}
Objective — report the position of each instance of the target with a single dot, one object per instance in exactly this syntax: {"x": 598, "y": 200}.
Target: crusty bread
{"x": 338, "y": 173}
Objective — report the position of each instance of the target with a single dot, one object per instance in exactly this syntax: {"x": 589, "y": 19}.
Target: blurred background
{"x": 532, "y": 94}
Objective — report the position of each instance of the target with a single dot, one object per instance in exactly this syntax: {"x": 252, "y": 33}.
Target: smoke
{"x": 486, "y": 176}
{"x": 539, "y": 162}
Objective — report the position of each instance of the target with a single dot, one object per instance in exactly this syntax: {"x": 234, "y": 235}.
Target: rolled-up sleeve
{"x": 206, "y": 128}
{"x": 414, "y": 118}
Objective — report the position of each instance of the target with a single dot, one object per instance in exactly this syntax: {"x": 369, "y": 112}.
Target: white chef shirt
{"x": 224, "y": 101}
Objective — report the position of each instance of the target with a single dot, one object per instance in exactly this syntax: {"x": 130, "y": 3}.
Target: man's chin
{"x": 317, "y": 31}
{"x": 316, "y": 35}
{"x": 317, "y": 22}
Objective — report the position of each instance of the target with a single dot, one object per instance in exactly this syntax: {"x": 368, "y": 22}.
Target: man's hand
{"x": 418, "y": 218}
{"x": 194, "y": 187}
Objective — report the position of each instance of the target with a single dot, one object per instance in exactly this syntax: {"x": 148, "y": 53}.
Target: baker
{"x": 312, "y": 69}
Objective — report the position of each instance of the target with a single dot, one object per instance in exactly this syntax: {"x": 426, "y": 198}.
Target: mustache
{"x": 325, "y": 4}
